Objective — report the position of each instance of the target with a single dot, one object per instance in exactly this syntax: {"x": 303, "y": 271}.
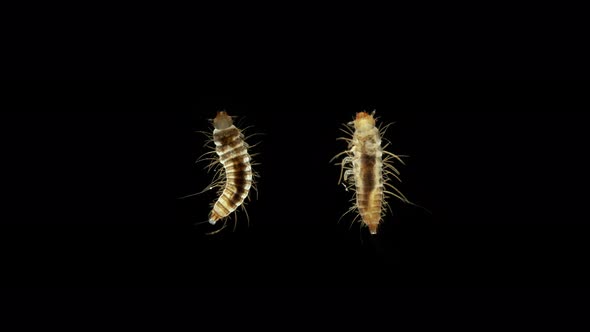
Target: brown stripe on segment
{"x": 233, "y": 143}
{"x": 239, "y": 179}
{"x": 223, "y": 210}
{"x": 228, "y": 203}
{"x": 228, "y": 140}
{"x": 226, "y": 135}
{"x": 236, "y": 151}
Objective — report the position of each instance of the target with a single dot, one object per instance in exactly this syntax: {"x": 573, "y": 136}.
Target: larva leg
{"x": 348, "y": 176}
{"x": 348, "y": 172}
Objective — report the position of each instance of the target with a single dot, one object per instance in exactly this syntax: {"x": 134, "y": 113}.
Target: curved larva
{"x": 234, "y": 172}
{"x": 367, "y": 172}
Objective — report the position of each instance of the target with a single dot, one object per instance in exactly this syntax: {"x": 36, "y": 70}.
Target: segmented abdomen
{"x": 233, "y": 155}
{"x": 368, "y": 179}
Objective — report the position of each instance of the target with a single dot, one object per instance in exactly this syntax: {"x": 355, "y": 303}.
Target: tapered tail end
{"x": 213, "y": 217}
{"x": 373, "y": 229}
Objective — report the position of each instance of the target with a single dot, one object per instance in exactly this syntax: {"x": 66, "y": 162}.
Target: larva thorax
{"x": 233, "y": 156}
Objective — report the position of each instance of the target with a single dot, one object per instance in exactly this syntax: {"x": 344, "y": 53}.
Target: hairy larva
{"x": 233, "y": 169}
{"x": 367, "y": 170}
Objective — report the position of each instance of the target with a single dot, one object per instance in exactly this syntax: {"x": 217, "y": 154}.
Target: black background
{"x": 94, "y": 171}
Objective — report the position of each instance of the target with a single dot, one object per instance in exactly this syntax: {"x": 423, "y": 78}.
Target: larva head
{"x": 222, "y": 120}
{"x": 364, "y": 121}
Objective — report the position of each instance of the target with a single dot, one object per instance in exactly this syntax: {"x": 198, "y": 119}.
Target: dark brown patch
{"x": 232, "y": 151}
{"x": 226, "y": 136}
{"x": 368, "y": 173}
{"x": 233, "y": 143}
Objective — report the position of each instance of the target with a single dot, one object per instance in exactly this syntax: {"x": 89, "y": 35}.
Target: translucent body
{"x": 367, "y": 170}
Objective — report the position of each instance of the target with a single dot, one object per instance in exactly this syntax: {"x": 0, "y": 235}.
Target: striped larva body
{"x": 367, "y": 170}
{"x": 234, "y": 175}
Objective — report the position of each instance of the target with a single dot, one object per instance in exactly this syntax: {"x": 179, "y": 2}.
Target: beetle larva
{"x": 233, "y": 169}
{"x": 367, "y": 170}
